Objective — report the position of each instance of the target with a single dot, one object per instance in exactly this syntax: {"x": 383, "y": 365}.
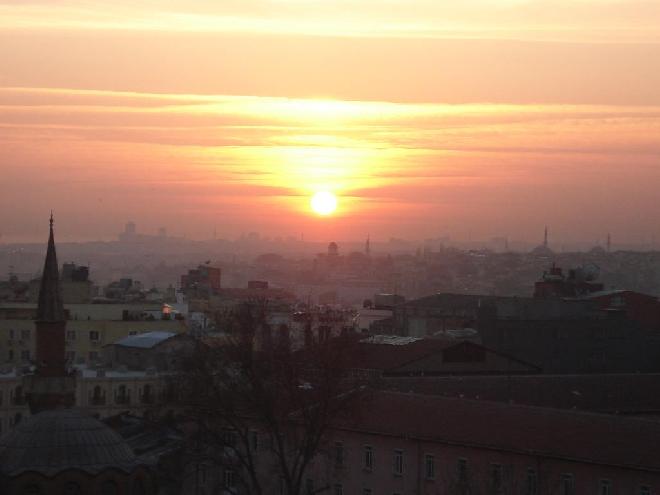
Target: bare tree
{"x": 261, "y": 410}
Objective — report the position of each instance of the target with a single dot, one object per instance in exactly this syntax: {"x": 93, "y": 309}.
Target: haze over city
{"x": 329, "y": 247}
{"x": 472, "y": 119}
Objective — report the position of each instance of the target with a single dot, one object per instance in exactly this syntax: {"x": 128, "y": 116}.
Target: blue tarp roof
{"x": 145, "y": 340}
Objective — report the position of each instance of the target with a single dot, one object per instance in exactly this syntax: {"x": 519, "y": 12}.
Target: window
{"x": 31, "y": 490}
{"x": 228, "y": 437}
{"x": 366, "y": 491}
{"x": 604, "y": 487}
{"x": 70, "y": 335}
{"x": 122, "y": 395}
{"x": 531, "y": 486}
{"x": 228, "y": 478}
{"x": 70, "y": 356}
{"x": 138, "y": 487}
{"x": 109, "y": 487}
{"x": 25, "y": 335}
{"x": 644, "y": 490}
{"x": 339, "y": 454}
{"x": 566, "y": 484}
{"x": 72, "y": 488}
{"x": 10, "y": 355}
{"x": 462, "y": 470}
{"x": 12, "y": 334}
{"x": 338, "y": 489}
{"x": 309, "y": 486}
{"x": 496, "y": 478}
{"x": 147, "y": 394}
{"x": 93, "y": 335}
{"x": 25, "y": 355}
{"x": 98, "y": 396}
{"x": 93, "y": 356}
{"x": 17, "y": 397}
{"x": 398, "y": 462}
{"x": 132, "y": 332}
{"x": 429, "y": 467}
{"x": 368, "y": 457}
{"x": 254, "y": 441}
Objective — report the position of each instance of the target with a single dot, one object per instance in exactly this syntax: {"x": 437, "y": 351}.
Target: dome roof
{"x": 54, "y": 441}
{"x": 542, "y": 250}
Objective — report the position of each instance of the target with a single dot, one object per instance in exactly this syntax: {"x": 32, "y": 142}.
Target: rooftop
{"x": 146, "y": 340}
{"x": 54, "y": 441}
{"x": 586, "y": 437}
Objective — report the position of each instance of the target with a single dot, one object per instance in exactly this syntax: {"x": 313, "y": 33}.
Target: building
{"x": 89, "y": 328}
{"x": 559, "y": 335}
{"x": 579, "y": 282}
{"x": 629, "y": 394}
{"x": 409, "y": 444}
{"x": 381, "y": 356}
{"x": 202, "y": 281}
{"x": 162, "y": 351}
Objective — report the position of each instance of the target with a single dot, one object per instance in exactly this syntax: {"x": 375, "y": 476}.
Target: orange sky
{"x": 479, "y": 117}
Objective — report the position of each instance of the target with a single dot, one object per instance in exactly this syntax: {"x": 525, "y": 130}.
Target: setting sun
{"x": 324, "y": 203}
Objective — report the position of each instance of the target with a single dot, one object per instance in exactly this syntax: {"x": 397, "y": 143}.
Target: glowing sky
{"x": 425, "y": 117}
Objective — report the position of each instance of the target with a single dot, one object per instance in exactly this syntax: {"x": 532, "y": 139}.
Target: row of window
{"x": 567, "y": 486}
{"x": 70, "y": 355}
{"x": 25, "y": 355}
{"x": 122, "y": 395}
{"x": 25, "y": 334}
{"x": 496, "y": 481}
{"x": 94, "y": 335}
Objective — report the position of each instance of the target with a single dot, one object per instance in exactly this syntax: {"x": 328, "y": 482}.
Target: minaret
{"x": 545, "y": 237}
{"x": 609, "y": 243}
{"x": 367, "y": 246}
{"x": 51, "y": 386}
{"x": 51, "y": 320}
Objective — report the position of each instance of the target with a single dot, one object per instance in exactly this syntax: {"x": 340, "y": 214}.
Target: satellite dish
{"x": 591, "y": 272}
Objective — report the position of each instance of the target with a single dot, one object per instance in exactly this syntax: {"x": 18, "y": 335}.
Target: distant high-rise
{"x": 333, "y": 249}
{"x": 129, "y": 233}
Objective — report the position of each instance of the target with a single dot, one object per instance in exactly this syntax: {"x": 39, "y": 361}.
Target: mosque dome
{"x": 52, "y": 442}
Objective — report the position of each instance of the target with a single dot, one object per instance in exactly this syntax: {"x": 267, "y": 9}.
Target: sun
{"x": 324, "y": 203}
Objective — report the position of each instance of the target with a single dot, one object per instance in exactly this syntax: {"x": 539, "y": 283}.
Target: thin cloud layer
{"x": 216, "y": 153}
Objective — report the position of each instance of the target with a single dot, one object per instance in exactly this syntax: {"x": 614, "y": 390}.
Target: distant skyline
{"x": 474, "y": 119}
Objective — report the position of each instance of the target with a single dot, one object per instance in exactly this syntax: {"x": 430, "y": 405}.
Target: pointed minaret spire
{"x": 51, "y": 386}
{"x": 50, "y": 307}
